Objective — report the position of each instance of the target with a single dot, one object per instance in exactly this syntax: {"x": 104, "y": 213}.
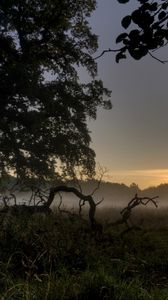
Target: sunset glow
{"x": 131, "y": 139}
{"x": 144, "y": 178}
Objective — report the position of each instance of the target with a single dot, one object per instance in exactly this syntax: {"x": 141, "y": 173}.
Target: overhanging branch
{"x": 156, "y": 58}
{"x": 107, "y": 51}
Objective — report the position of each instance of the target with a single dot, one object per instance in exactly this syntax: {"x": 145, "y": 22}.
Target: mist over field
{"x": 113, "y": 195}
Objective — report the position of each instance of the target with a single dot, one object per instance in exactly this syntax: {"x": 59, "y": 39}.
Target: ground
{"x": 59, "y": 257}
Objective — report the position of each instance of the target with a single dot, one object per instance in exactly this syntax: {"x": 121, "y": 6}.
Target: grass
{"x": 57, "y": 257}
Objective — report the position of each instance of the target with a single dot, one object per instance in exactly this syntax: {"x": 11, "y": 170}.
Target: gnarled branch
{"x": 127, "y": 211}
{"x": 85, "y": 198}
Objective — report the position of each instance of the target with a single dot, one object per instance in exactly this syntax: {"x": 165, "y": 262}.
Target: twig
{"x": 102, "y": 171}
{"x": 81, "y": 203}
{"x": 31, "y": 197}
{"x": 149, "y": 200}
{"x": 59, "y": 206}
{"x": 14, "y": 198}
{"x": 106, "y": 51}
{"x": 99, "y": 201}
{"x": 153, "y": 56}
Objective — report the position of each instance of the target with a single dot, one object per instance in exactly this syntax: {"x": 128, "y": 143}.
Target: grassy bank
{"x": 58, "y": 257}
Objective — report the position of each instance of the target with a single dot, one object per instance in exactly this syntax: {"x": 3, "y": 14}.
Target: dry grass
{"x": 148, "y": 217}
{"x": 58, "y": 257}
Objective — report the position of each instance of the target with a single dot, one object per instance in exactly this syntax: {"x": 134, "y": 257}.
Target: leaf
{"x": 142, "y": 1}
{"x": 138, "y": 53}
{"x": 120, "y": 56}
{"x": 154, "y": 6}
{"x": 137, "y": 16}
{"x": 166, "y": 34}
{"x": 161, "y": 15}
{"x": 121, "y": 37}
{"x": 165, "y": 5}
{"x": 126, "y": 21}
{"x": 134, "y": 35}
{"x": 123, "y": 1}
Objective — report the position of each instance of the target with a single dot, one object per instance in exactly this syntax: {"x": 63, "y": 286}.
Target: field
{"x": 59, "y": 257}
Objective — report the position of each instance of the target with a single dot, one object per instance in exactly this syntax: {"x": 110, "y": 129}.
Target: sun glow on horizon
{"x": 144, "y": 178}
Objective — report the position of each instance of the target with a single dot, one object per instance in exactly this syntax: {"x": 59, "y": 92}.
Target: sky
{"x": 130, "y": 140}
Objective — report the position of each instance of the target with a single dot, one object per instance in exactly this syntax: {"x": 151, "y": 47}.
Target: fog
{"x": 111, "y": 195}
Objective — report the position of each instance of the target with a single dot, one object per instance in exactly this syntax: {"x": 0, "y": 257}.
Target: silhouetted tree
{"x": 134, "y": 188}
{"x": 43, "y": 105}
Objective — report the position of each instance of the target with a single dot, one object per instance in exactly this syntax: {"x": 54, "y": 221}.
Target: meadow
{"x": 59, "y": 257}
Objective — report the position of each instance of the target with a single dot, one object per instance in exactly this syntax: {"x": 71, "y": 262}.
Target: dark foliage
{"x": 43, "y": 105}
{"x": 149, "y": 30}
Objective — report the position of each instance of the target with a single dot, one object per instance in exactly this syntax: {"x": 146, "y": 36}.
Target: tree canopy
{"x": 43, "y": 105}
{"x": 148, "y": 30}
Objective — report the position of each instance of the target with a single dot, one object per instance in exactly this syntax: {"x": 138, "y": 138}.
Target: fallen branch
{"x": 82, "y": 197}
{"x": 127, "y": 211}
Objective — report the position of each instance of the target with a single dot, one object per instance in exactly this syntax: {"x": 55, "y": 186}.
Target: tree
{"x": 134, "y": 188}
{"x": 43, "y": 105}
{"x": 149, "y": 30}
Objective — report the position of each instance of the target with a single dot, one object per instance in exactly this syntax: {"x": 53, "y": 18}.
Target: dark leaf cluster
{"x": 149, "y": 29}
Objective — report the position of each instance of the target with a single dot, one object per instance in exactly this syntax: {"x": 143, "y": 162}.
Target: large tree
{"x": 44, "y": 107}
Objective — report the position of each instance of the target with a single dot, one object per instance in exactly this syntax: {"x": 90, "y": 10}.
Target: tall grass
{"x": 58, "y": 257}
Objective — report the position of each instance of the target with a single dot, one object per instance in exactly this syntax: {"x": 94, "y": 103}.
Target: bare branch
{"x": 149, "y": 200}
{"x": 102, "y": 171}
{"x": 154, "y": 50}
{"x": 76, "y": 180}
{"x": 98, "y": 184}
{"x": 5, "y": 200}
{"x": 81, "y": 203}
{"x": 38, "y": 194}
{"x": 32, "y": 196}
{"x": 85, "y": 198}
{"x": 99, "y": 201}
{"x": 126, "y": 212}
{"x": 13, "y": 196}
{"x": 118, "y": 50}
{"x": 107, "y": 51}
{"x": 59, "y": 206}
{"x": 159, "y": 60}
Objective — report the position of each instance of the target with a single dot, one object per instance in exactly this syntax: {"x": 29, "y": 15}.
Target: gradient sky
{"x": 131, "y": 140}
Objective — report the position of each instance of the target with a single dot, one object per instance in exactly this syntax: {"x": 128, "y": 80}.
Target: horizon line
{"x": 144, "y": 178}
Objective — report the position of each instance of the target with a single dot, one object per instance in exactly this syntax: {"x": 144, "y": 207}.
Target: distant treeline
{"x": 116, "y": 193}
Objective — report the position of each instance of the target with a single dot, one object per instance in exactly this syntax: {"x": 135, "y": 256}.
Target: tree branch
{"x": 102, "y": 171}
{"x": 106, "y": 51}
{"x": 127, "y": 211}
{"x": 153, "y": 56}
{"x": 85, "y": 198}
